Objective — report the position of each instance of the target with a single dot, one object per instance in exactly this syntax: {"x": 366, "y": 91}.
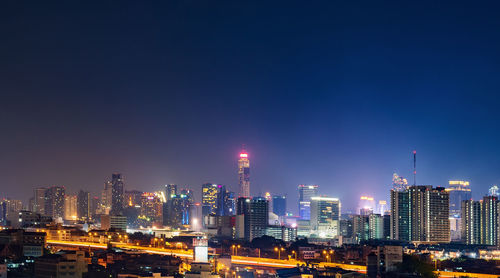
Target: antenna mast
{"x": 414, "y": 167}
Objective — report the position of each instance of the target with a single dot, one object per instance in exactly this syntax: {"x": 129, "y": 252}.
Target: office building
{"x": 151, "y": 209}
{"x": 70, "y": 207}
{"x": 244, "y": 174}
{"x": 116, "y": 194}
{"x": 170, "y": 191}
{"x": 178, "y": 211}
{"x": 420, "y": 213}
{"x": 54, "y": 202}
{"x": 279, "y": 205}
{"x": 257, "y": 218}
{"x": 252, "y": 217}
{"x": 132, "y": 198}
{"x": 458, "y": 191}
{"x": 325, "y": 216}
{"x": 39, "y": 200}
{"x": 83, "y": 205}
{"x": 305, "y": 194}
{"x": 209, "y": 196}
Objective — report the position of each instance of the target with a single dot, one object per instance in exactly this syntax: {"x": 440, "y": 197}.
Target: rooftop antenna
{"x": 414, "y": 167}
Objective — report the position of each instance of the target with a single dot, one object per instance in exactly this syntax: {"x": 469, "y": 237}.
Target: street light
{"x": 295, "y": 254}
{"x": 276, "y": 249}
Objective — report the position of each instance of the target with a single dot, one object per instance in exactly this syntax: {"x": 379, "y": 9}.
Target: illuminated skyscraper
{"x": 493, "y": 191}
{"x": 170, "y": 191}
{"x": 151, "y": 209}
{"x": 54, "y": 202}
{"x": 70, "y": 207}
{"x": 459, "y": 191}
{"x": 471, "y": 221}
{"x": 116, "y": 194}
{"x": 209, "y": 194}
{"x": 325, "y": 216}
{"x": 306, "y": 192}
{"x": 244, "y": 174}
{"x": 480, "y": 221}
{"x": 399, "y": 183}
{"x": 420, "y": 213}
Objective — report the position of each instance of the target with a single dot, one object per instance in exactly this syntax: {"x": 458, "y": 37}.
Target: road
{"x": 247, "y": 261}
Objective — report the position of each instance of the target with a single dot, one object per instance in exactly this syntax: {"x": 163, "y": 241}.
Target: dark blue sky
{"x": 335, "y": 93}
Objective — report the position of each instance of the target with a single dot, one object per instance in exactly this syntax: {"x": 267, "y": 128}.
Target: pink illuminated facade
{"x": 244, "y": 174}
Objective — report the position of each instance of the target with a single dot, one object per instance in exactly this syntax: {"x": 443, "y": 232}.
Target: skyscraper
{"x": 83, "y": 205}
{"x": 305, "y": 194}
{"x": 471, "y": 221}
{"x": 70, "y": 207}
{"x": 209, "y": 193}
{"x": 151, "y": 209}
{"x": 489, "y": 220}
{"x": 244, "y": 174}
{"x": 325, "y": 216}
{"x": 39, "y": 200}
{"x": 399, "y": 183}
{"x": 116, "y": 194}
{"x": 257, "y": 218}
{"x": 170, "y": 191}
{"x": 279, "y": 205}
{"x": 459, "y": 191}
{"x": 54, "y": 202}
{"x": 420, "y": 213}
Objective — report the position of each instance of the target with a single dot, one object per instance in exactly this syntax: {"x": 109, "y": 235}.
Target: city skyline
{"x": 336, "y": 95}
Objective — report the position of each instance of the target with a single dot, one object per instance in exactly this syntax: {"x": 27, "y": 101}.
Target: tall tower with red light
{"x": 244, "y": 174}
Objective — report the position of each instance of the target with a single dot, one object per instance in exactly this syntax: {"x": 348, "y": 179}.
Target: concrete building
{"x": 69, "y": 264}
{"x": 244, "y": 174}
{"x": 306, "y": 192}
{"x": 420, "y": 214}
{"x": 325, "y": 216}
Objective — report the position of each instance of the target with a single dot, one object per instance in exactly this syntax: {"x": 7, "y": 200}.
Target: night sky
{"x": 334, "y": 93}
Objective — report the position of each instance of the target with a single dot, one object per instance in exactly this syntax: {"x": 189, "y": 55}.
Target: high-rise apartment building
{"x": 54, "y": 202}
{"x": 420, "y": 213}
{"x": 279, "y": 205}
{"x": 480, "y": 221}
{"x": 244, "y": 174}
{"x": 83, "y": 205}
{"x": 116, "y": 194}
{"x": 376, "y": 226}
{"x": 459, "y": 191}
{"x": 471, "y": 221}
{"x": 306, "y": 192}
{"x": 325, "y": 216}
{"x": 361, "y": 227}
